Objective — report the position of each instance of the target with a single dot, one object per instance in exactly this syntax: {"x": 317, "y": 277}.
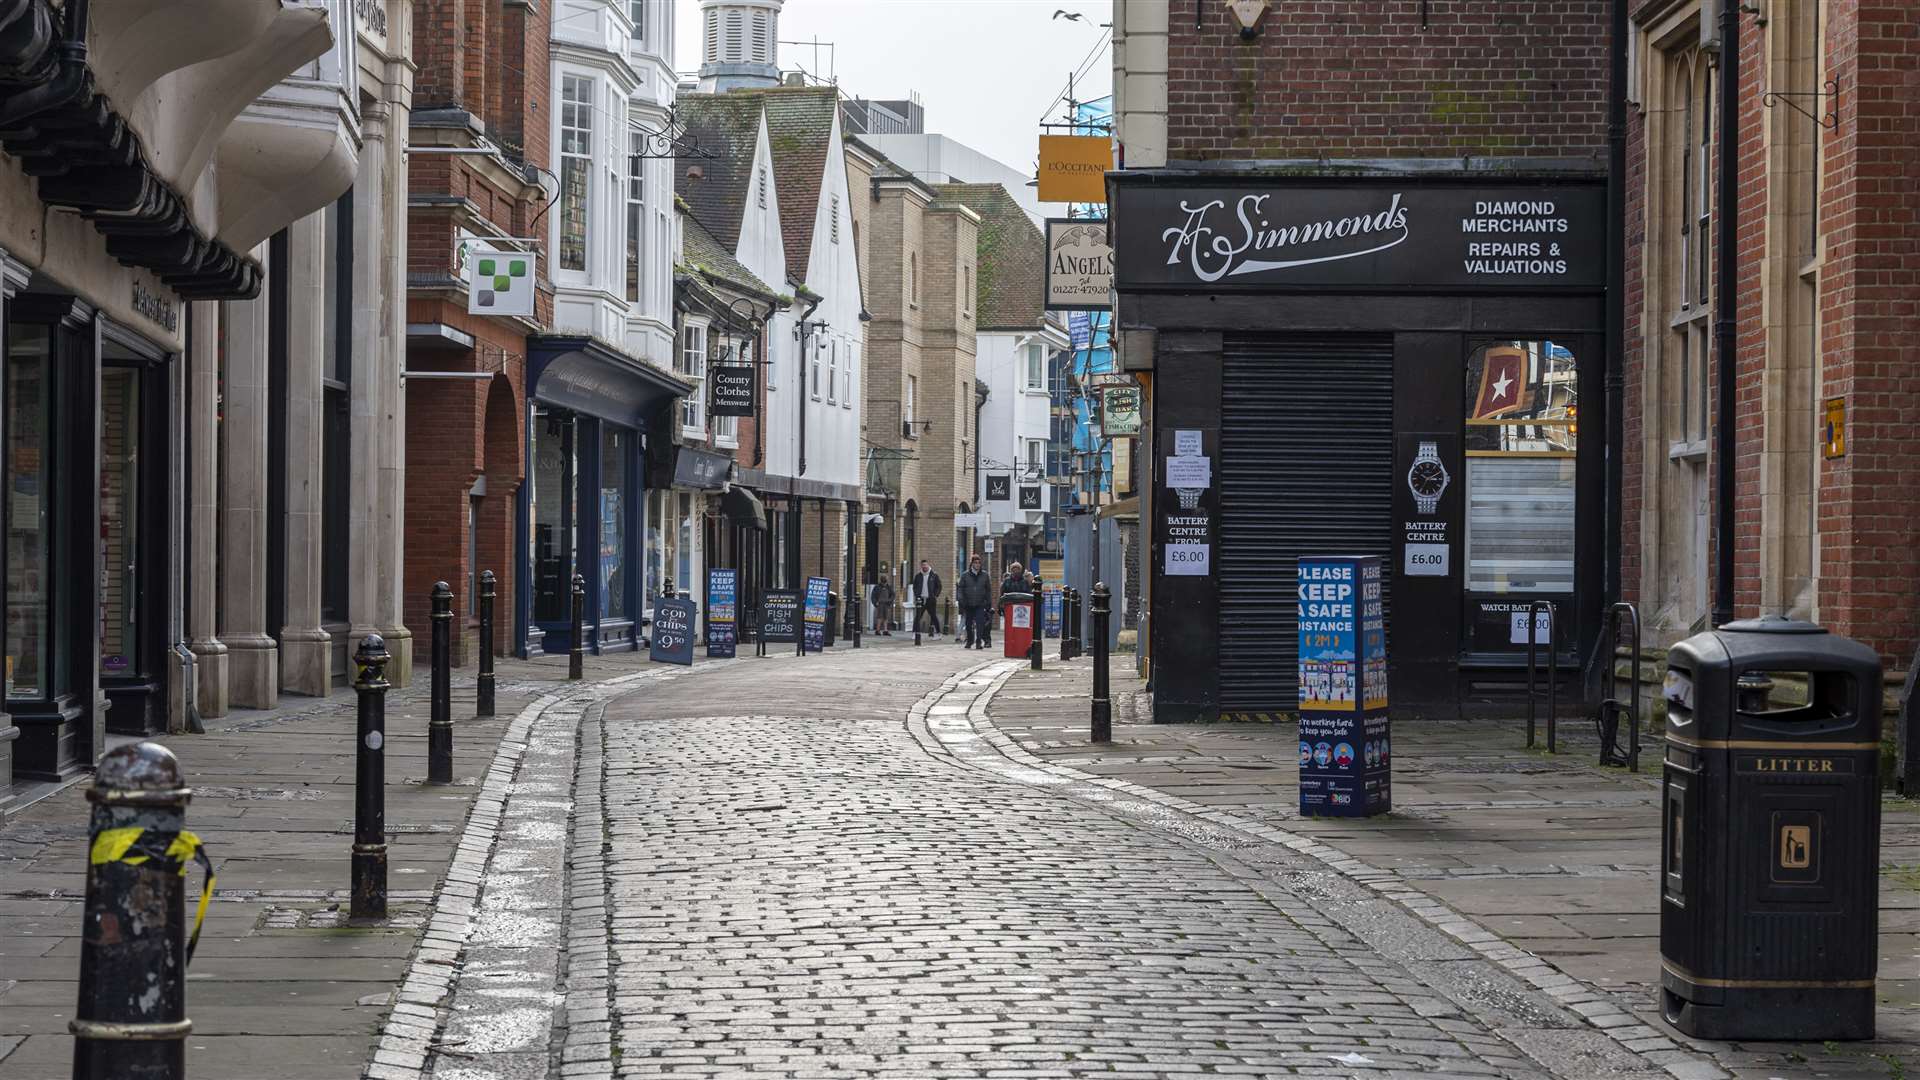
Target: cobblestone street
{"x": 799, "y": 867}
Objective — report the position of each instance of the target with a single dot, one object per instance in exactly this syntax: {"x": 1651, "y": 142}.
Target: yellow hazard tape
{"x": 125, "y": 845}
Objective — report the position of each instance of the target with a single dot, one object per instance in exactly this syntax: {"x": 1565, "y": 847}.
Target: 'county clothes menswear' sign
{"x": 1371, "y": 234}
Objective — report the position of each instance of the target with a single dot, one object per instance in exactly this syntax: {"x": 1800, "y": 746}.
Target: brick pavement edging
{"x": 406, "y": 1037}
{"x": 1597, "y": 1007}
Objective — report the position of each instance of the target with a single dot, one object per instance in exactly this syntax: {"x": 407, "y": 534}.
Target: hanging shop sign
{"x": 672, "y": 641}
{"x": 731, "y": 389}
{"x": 1836, "y": 427}
{"x": 502, "y": 281}
{"x": 780, "y": 615}
{"x": 1345, "y": 741}
{"x": 1073, "y": 168}
{"x": 1030, "y": 496}
{"x": 999, "y": 487}
{"x": 723, "y": 613}
{"x": 1365, "y": 234}
{"x": 815, "y": 613}
{"x": 1119, "y": 410}
{"x": 1079, "y": 265}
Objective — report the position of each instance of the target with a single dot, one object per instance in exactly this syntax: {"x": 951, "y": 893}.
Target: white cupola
{"x": 739, "y": 44}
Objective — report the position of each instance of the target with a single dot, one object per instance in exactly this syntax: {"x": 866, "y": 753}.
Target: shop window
{"x": 552, "y": 562}
{"x": 683, "y": 561}
{"x": 613, "y": 523}
{"x": 576, "y": 168}
{"x": 1036, "y": 367}
{"x": 1522, "y": 421}
{"x": 693, "y": 368}
{"x": 656, "y": 544}
{"x": 119, "y": 520}
{"x": 29, "y": 518}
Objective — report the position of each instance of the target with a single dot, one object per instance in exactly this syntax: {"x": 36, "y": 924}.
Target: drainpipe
{"x": 1726, "y": 283}
{"x": 1616, "y": 298}
{"x": 805, "y": 330}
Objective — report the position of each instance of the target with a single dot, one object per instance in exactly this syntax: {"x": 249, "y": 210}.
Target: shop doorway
{"x": 132, "y": 537}
{"x": 1306, "y": 468}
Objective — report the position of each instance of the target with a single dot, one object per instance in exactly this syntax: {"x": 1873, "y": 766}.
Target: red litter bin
{"x": 1016, "y": 623}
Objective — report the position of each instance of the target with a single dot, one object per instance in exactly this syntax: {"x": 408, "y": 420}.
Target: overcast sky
{"x": 986, "y": 69}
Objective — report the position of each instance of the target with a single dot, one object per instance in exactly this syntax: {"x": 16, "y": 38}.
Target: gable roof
{"x": 728, "y": 127}
{"x": 799, "y": 128}
{"x": 707, "y": 255}
{"x": 1011, "y": 267}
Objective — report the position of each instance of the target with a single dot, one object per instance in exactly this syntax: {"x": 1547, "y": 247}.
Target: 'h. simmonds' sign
{"x": 1366, "y": 234}
{"x": 1079, "y": 265}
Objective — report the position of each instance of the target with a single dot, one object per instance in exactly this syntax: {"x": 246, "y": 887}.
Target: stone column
{"x": 253, "y": 659}
{"x": 365, "y": 405}
{"x": 210, "y": 655}
{"x": 392, "y": 257}
{"x": 305, "y": 648}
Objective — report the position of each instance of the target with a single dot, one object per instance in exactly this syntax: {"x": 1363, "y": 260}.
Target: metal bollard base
{"x": 369, "y": 882}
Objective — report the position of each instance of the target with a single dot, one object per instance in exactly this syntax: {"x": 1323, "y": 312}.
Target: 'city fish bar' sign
{"x": 1231, "y": 238}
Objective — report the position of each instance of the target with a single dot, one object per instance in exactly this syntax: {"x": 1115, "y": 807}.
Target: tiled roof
{"x": 728, "y": 127}
{"x": 700, "y": 250}
{"x": 799, "y": 126}
{"x": 1011, "y": 269}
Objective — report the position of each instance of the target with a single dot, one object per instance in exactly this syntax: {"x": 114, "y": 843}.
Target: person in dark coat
{"x": 926, "y": 589}
{"x": 883, "y": 598}
{"x": 1015, "y": 581}
{"x": 975, "y": 595}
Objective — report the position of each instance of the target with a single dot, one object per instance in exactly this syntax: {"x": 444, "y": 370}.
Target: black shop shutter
{"x": 1306, "y": 468}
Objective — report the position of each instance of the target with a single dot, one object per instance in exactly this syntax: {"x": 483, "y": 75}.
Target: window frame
{"x": 691, "y": 365}
{"x": 636, "y": 214}
{"x": 575, "y": 117}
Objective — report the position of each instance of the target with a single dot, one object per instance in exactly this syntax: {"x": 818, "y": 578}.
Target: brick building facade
{"x": 482, "y": 87}
{"x": 1828, "y": 273}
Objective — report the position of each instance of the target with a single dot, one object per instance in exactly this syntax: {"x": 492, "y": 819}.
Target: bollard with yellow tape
{"x": 131, "y": 1020}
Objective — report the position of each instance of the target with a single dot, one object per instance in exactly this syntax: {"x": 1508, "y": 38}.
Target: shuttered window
{"x": 1306, "y": 468}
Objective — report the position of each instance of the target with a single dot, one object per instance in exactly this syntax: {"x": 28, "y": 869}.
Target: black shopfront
{"x": 1395, "y": 365}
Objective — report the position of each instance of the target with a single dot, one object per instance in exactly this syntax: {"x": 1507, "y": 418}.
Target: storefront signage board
{"x": 672, "y": 641}
{"x": 1345, "y": 738}
{"x": 999, "y": 487}
{"x": 723, "y": 611}
{"x": 1363, "y": 235}
{"x": 780, "y": 615}
{"x": 1079, "y": 273}
{"x": 733, "y": 389}
{"x": 702, "y": 469}
{"x": 502, "y": 282}
{"x": 1119, "y": 411}
{"x": 1029, "y": 496}
{"x": 816, "y": 613}
{"x": 1073, "y": 168}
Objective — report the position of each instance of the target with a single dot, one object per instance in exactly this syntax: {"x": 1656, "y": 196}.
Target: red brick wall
{"x": 1361, "y": 79}
{"x": 1869, "y": 529}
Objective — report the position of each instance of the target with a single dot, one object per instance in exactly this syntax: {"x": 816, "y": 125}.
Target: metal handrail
{"x": 1607, "y": 720}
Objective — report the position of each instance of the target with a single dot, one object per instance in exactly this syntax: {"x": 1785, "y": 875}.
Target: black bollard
{"x": 850, "y": 624}
{"x": 370, "y": 783}
{"x": 132, "y": 1018}
{"x": 440, "y": 715}
{"x": 1102, "y": 708}
{"x": 575, "y": 657}
{"x": 1076, "y": 621}
{"x": 1066, "y": 623}
{"x": 483, "y": 691}
{"x": 830, "y": 629}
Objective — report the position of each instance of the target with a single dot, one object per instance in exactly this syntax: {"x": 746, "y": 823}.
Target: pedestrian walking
{"x": 883, "y": 598}
{"x": 926, "y": 590}
{"x": 975, "y": 594}
{"x": 1015, "y": 581}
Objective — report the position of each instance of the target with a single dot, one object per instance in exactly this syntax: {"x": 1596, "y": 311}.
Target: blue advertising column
{"x": 722, "y": 615}
{"x": 1346, "y": 765}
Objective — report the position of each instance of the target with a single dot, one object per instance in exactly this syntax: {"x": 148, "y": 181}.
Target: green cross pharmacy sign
{"x": 502, "y": 282}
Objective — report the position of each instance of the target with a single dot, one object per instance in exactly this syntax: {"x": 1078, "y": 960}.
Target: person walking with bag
{"x": 926, "y": 590}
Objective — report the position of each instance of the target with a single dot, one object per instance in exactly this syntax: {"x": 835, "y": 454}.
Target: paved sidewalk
{"x": 1550, "y": 856}
{"x": 279, "y": 977}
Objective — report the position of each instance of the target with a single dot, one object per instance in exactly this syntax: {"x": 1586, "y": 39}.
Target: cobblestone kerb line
{"x": 1597, "y": 1007}
{"x": 420, "y": 1008}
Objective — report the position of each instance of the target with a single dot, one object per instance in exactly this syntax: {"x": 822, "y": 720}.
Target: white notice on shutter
{"x": 1186, "y": 443}
{"x": 1189, "y": 560}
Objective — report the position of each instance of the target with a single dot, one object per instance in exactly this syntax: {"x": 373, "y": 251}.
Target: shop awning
{"x": 743, "y": 507}
{"x": 573, "y": 371}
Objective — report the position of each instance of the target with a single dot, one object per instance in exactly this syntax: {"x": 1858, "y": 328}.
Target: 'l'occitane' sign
{"x": 1073, "y": 168}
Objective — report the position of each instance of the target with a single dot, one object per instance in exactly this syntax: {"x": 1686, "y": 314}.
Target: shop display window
{"x": 1522, "y": 423}
{"x": 29, "y": 517}
{"x": 613, "y": 523}
{"x": 552, "y": 563}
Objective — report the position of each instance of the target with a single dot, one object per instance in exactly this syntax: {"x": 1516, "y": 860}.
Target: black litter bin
{"x": 833, "y": 616}
{"x": 1769, "y": 912}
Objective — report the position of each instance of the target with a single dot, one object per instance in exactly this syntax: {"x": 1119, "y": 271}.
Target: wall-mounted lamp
{"x": 1247, "y": 15}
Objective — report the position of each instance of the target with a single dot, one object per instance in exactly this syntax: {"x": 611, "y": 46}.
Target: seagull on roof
{"x": 1062, "y": 14}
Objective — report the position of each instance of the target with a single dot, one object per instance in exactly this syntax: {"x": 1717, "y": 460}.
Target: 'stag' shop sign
{"x": 1232, "y": 238}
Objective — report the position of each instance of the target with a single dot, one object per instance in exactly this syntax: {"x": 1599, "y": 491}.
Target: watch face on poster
{"x": 1428, "y": 479}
